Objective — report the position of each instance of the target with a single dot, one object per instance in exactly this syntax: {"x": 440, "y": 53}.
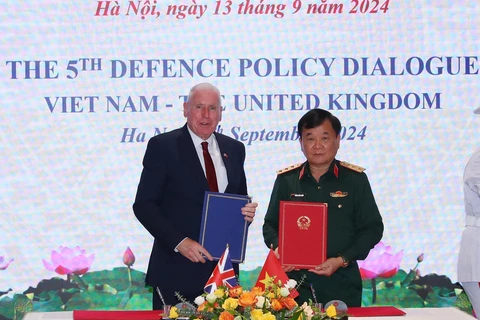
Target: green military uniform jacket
{"x": 354, "y": 225}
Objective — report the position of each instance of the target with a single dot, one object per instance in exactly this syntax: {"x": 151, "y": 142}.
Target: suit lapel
{"x": 226, "y": 157}
{"x": 188, "y": 156}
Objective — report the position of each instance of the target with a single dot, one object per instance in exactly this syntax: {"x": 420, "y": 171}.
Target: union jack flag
{"x": 222, "y": 275}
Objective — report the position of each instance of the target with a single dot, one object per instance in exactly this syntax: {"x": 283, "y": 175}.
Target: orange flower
{"x": 225, "y": 315}
{"x": 289, "y": 303}
{"x": 247, "y": 299}
{"x": 202, "y": 306}
{"x": 235, "y": 292}
{"x": 276, "y": 305}
{"x": 258, "y": 291}
{"x": 207, "y": 307}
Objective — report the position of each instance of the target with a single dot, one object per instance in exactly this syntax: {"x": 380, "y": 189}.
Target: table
{"x": 411, "y": 314}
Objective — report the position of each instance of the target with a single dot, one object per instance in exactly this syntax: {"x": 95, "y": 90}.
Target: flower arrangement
{"x": 235, "y": 303}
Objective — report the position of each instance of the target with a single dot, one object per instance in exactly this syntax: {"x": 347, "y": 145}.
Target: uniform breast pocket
{"x": 340, "y": 206}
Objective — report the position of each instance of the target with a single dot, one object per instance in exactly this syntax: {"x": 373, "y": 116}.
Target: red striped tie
{"x": 209, "y": 168}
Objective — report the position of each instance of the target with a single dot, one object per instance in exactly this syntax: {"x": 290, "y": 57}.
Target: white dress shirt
{"x": 217, "y": 159}
{"x": 214, "y": 150}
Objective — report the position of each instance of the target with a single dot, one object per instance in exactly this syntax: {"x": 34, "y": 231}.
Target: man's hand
{"x": 249, "y": 211}
{"x": 193, "y": 251}
{"x": 328, "y": 267}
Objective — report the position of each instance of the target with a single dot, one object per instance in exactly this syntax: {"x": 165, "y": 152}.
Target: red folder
{"x": 117, "y": 315}
{"x": 384, "y": 311}
{"x": 302, "y": 235}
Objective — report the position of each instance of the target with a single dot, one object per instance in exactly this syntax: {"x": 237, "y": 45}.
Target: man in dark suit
{"x": 171, "y": 190}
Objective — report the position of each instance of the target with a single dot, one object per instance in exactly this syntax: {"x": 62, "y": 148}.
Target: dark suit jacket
{"x": 169, "y": 204}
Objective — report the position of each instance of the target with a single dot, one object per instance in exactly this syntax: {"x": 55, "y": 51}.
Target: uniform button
{"x": 318, "y": 188}
{"x": 339, "y": 205}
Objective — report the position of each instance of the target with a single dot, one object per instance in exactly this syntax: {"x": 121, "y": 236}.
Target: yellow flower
{"x": 219, "y": 293}
{"x": 230, "y": 304}
{"x": 256, "y": 314}
{"x": 238, "y": 304}
{"x": 268, "y": 316}
{"x": 331, "y": 311}
{"x": 173, "y": 313}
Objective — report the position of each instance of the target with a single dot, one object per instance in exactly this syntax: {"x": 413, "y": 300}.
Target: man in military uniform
{"x": 354, "y": 222}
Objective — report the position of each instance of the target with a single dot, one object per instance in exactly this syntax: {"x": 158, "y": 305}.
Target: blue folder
{"x": 223, "y": 224}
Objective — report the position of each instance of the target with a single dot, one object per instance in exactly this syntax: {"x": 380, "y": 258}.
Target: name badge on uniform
{"x": 297, "y": 195}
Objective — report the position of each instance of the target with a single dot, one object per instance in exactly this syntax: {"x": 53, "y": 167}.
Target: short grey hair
{"x": 207, "y": 87}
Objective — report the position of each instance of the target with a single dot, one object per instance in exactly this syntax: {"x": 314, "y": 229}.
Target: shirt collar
{"x": 305, "y": 169}
{"x": 197, "y": 141}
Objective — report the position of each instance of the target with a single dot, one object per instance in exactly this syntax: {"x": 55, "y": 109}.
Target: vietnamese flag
{"x": 272, "y": 268}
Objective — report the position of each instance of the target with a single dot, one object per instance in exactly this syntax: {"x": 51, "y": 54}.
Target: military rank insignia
{"x": 290, "y": 168}
{"x": 338, "y": 194}
{"x": 353, "y": 167}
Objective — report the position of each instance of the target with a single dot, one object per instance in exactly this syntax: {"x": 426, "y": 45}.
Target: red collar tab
{"x": 300, "y": 175}
{"x": 335, "y": 170}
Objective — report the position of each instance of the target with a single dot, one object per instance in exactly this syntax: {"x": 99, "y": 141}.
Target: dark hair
{"x": 316, "y": 117}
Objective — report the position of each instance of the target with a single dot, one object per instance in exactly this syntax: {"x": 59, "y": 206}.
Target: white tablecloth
{"x": 412, "y": 314}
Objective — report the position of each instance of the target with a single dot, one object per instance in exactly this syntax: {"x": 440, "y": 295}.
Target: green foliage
{"x": 463, "y": 303}
{"x": 116, "y": 278}
{"x": 16, "y": 307}
{"x": 99, "y": 290}
{"x": 408, "y": 290}
{"x": 112, "y": 290}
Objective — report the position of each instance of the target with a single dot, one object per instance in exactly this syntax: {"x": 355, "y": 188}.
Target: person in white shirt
{"x": 177, "y": 170}
{"x": 469, "y": 255}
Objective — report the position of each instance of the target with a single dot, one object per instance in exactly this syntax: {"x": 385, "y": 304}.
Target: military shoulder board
{"x": 352, "y": 166}
{"x": 290, "y": 168}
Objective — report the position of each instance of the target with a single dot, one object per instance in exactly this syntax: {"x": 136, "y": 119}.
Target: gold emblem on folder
{"x": 303, "y": 222}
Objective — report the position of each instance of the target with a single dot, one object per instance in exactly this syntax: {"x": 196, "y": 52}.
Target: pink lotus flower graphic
{"x": 380, "y": 262}
{"x": 69, "y": 261}
{"x": 128, "y": 257}
{"x": 3, "y": 263}
{"x": 129, "y": 260}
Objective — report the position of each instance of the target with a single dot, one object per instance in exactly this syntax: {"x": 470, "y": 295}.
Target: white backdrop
{"x": 69, "y": 169}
